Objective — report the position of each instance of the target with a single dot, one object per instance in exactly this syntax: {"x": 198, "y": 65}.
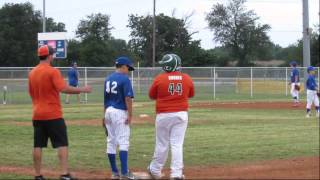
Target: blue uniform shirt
{"x": 116, "y": 88}
{"x": 294, "y": 73}
{"x": 73, "y": 77}
{"x": 311, "y": 83}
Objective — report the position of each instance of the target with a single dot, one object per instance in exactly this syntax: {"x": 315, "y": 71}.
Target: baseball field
{"x": 225, "y": 139}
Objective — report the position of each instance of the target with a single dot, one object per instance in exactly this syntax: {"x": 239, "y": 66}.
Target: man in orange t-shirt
{"x": 45, "y": 85}
{"x": 171, "y": 90}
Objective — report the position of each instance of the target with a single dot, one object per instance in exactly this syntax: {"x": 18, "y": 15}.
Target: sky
{"x": 284, "y": 16}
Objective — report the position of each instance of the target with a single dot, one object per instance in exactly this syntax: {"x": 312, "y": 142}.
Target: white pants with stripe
{"x": 170, "y": 132}
{"x": 118, "y": 131}
{"x": 312, "y": 97}
{"x": 294, "y": 92}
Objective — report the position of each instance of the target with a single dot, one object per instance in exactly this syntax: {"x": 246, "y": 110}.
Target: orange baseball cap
{"x": 45, "y": 50}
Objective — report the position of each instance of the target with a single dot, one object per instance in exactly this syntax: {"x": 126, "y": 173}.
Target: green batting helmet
{"x": 170, "y": 62}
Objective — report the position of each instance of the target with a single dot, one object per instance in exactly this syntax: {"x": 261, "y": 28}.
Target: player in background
{"x": 73, "y": 79}
{"x": 294, "y": 81}
{"x": 171, "y": 90}
{"x": 118, "y": 95}
{"x": 312, "y": 89}
{"x": 45, "y": 85}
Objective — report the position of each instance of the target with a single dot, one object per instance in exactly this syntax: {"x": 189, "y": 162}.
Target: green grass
{"x": 18, "y": 94}
{"x": 14, "y": 176}
{"x": 214, "y": 137}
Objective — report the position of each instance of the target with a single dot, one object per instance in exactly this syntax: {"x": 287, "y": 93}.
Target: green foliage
{"x": 236, "y": 28}
{"x": 295, "y": 51}
{"x": 19, "y": 25}
{"x": 241, "y": 37}
{"x": 172, "y": 37}
{"x": 96, "y": 53}
{"x": 96, "y": 26}
{"x": 315, "y": 49}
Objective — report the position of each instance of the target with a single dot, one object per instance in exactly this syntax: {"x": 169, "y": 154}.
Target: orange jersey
{"x": 171, "y": 92}
{"x": 45, "y": 83}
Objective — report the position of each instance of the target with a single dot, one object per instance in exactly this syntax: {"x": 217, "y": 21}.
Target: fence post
{"x": 85, "y": 83}
{"x": 318, "y": 77}
{"x": 214, "y": 82}
{"x": 139, "y": 90}
{"x": 251, "y": 83}
{"x": 132, "y": 80}
{"x": 286, "y": 81}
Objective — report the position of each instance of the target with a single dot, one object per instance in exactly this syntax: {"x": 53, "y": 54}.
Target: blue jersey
{"x": 311, "y": 83}
{"x": 73, "y": 77}
{"x": 294, "y": 73}
{"x": 116, "y": 88}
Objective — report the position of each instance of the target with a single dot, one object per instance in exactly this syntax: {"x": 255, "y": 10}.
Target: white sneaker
{"x": 308, "y": 115}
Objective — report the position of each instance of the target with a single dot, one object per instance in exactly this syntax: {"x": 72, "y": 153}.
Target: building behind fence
{"x": 211, "y": 83}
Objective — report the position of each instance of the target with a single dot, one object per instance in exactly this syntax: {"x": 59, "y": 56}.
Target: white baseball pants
{"x": 118, "y": 131}
{"x": 294, "y": 92}
{"x": 170, "y": 131}
{"x": 312, "y": 97}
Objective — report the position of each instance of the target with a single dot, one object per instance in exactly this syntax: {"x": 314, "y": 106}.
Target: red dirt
{"x": 249, "y": 105}
{"x": 297, "y": 168}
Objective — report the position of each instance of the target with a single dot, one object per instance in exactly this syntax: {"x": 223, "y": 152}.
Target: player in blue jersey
{"x": 295, "y": 83}
{"x": 312, "y": 89}
{"x": 118, "y": 95}
{"x": 73, "y": 80}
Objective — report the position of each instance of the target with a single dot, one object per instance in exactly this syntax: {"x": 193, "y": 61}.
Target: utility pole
{"x": 306, "y": 37}
{"x": 44, "y": 17}
{"x": 154, "y": 35}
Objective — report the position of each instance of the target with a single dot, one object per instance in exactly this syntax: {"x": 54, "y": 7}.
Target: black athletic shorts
{"x": 55, "y": 129}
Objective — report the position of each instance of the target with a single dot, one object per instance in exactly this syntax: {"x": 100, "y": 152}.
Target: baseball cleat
{"x": 153, "y": 176}
{"x": 115, "y": 175}
{"x": 67, "y": 177}
{"x": 295, "y": 104}
{"x": 178, "y": 178}
{"x": 39, "y": 178}
{"x": 129, "y": 175}
{"x": 308, "y": 116}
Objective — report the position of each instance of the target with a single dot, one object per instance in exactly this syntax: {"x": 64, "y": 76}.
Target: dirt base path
{"x": 297, "y": 168}
{"x": 250, "y": 105}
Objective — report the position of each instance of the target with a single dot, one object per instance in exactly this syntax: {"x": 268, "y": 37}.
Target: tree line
{"x": 243, "y": 39}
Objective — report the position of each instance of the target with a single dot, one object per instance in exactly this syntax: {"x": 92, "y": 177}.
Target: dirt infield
{"x": 297, "y": 168}
{"x": 249, "y": 105}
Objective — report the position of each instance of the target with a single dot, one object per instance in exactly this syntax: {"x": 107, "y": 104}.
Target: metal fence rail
{"x": 211, "y": 83}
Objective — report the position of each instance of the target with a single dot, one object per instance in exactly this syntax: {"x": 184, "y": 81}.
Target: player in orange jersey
{"x": 171, "y": 90}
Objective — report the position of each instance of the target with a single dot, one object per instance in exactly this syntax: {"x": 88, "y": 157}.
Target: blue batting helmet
{"x": 311, "y": 68}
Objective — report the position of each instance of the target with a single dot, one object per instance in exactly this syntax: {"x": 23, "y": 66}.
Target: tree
{"x": 52, "y": 26}
{"x": 96, "y": 26}
{"x": 97, "y": 47}
{"x": 171, "y": 36}
{"x": 19, "y": 25}
{"x": 237, "y": 29}
{"x": 295, "y": 51}
{"x": 315, "y": 48}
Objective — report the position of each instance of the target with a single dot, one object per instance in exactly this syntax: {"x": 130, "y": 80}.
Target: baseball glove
{"x": 297, "y": 87}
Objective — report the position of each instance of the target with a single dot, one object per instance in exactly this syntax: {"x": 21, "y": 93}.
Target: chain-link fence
{"x": 211, "y": 83}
